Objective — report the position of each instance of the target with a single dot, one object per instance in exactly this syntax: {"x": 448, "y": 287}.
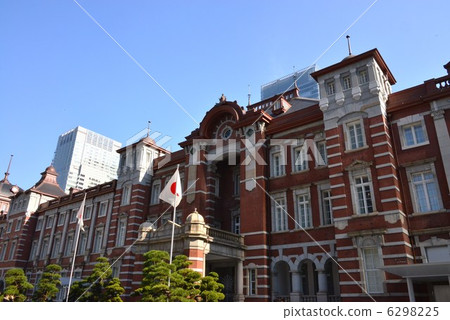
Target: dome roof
{"x": 195, "y": 217}
{"x": 51, "y": 169}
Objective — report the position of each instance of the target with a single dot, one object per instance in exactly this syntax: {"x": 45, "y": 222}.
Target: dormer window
{"x": 330, "y": 87}
{"x": 346, "y": 82}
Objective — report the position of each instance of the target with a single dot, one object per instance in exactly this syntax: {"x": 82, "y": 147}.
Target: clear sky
{"x": 58, "y": 69}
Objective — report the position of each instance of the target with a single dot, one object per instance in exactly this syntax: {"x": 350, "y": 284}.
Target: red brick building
{"x": 345, "y": 198}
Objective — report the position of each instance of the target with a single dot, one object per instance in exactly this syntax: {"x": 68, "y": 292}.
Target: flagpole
{"x": 75, "y": 250}
{"x": 173, "y": 228}
{"x": 73, "y": 261}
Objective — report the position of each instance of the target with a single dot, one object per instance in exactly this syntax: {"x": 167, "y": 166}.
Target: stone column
{"x": 297, "y": 286}
{"x": 356, "y": 90}
{"x": 323, "y": 286}
{"x": 443, "y": 139}
{"x": 239, "y": 295}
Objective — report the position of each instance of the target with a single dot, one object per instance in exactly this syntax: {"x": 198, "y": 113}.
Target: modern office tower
{"x": 307, "y": 85}
{"x": 84, "y": 158}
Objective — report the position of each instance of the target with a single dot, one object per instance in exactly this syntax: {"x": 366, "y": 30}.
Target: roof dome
{"x": 195, "y": 217}
{"x": 51, "y": 169}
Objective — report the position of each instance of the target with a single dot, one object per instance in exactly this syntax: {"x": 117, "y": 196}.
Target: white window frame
{"x": 50, "y": 222}
{"x": 346, "y": 82}
{"x": 34, "y": 245}
{"x": 69, "y": 244}
{"x": 98, "y": 241}
{"x": 44, "y": 248}
{"x": 12, "y": 250}
{"x": 126, "y": 195}
{"x": 330, "y": 87}
{"x": 410, "y": 122}
{"x": 83, "y": 241}
{"x": 39, "y": 223}
{"x": 88, "y": 212}
{"x": 321, "y": 153}
{"x": 372, "y": 275}
{"x": 421, "y": 169}
{"x": 325, "y": 188}
{"x": 364, "y": 172}
{"x": 363, "y": 76}
{"x": 156, "y": 191}
{"x": 73, "y": 215}
{"x": 3, "y": 252}
{"x": 300, "y": 157}
{"x": 277, "y": 166}
{"x": 252, "y": 282}
{"x": 56, "y": 247}
{"x": 360, "y": 142}
{"x": 61, "y": 219}
{"x": 9, "y": 227}
{"x": 303, "y": 212}
{"x": 103, "y": 209}
{"x": 121, "y": 231}
{"x": 236, "y": 222}
{"x": 18, "y": 224}
{"x": 279, "y": 213}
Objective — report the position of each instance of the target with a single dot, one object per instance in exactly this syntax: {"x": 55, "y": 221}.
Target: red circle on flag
{"x": 173, "y": 188}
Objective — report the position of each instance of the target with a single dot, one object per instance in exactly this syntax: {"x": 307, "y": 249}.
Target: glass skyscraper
{"x": 84, "y": 158}
{"x": 309, "y": 88}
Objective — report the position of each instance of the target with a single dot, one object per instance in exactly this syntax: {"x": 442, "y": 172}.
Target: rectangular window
{"x": 121, "y": 232}
{"x": 61, "y": 218}
{"x": 300, "y": 162}
{"x": 39, "y": 224}
{"x": 251, "y": 282}
{"x": 346, "y": 82}
{"x": 414, "y": 134}
{"x": 98, "y": 237}
{"x": 44, "y": 249}
{"x": 373, "y": 275}
{"x": 69, "y": 245}
{"x": 279, "y": 214}
{"x": 126, "y": 195}
{"x": 236, "y": 183}
{"x": 363, "y": 76}
{"x": 73, "y": 215}
{"x": 87, "y": 212}
{"x": 49, "y": 222}
{"x": 82, "y": 243}
{"x": 8, "y": 229}
{"x": 303, "y": 211}
{"x": 321, "y": 154}
{"x": 355, "y": 138}
{"x": 363, "y": 194}
{"x": 12, "y": 251}
{"x": 327, "y": 211}
{"x": 330, "y": 87}
{"x": 426, "y": 192}
{"x": 56, "y": 247}
{"x": 18, "y": 224}
{"x": 277, "y": 166}
{"x": 3, "y": 252}
{"x": 237, "y": 224}
{"x": 33, "y": 250}
{"x": 156, "y": 190}
{"x": 103, "y": 208}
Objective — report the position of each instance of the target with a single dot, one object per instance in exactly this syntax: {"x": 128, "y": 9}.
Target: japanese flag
{"x": 81, "y": 213}
{"x": 172, "y": 191}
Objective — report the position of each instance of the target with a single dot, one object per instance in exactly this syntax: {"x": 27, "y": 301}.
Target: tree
{"x": 16, "y": 286}
{"x": 48, "y": 285}
{"x": 100, "y": 285}
{"x": 185, "y": 284}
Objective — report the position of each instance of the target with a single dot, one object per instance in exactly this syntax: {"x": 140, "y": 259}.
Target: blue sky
{"x": 58, "y": 69}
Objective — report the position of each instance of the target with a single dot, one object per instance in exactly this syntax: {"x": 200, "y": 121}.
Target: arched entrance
{"x": 281, "y": 281}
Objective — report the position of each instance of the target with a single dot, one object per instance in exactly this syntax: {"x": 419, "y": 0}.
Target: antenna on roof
{"x": 7, "y": 170}
{"x": 148, "y": 128}
{"x": 249, "y": 95}
{"x": 349, "y": 47}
